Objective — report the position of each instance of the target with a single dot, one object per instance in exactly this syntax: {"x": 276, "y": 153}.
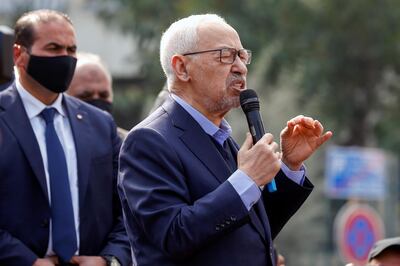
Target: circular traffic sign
{"x": 357, "y": 228}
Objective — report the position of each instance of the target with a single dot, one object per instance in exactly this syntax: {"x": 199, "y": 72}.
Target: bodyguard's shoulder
{"x": 85, "y": 107}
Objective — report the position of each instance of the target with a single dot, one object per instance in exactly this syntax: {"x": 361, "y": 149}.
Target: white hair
{"x": 85, "y": 58}
{"x": 182, "y": 37}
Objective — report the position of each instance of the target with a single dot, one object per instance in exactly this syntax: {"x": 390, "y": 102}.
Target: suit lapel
{"x": 207, "y": 153}
{"x": 17, "y": 120}
{"x": 263, "y": 217}
{"x": 257, "y": 223}
{"x": 197, "y": 141}
{"x": 81, "y": 130}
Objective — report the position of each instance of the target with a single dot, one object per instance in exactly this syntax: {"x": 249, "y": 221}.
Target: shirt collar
{"x": 220, "y": 134}
{"x": 33, "y": 106}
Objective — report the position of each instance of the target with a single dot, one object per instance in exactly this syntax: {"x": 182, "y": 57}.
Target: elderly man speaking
{"x": 190, "y": 197}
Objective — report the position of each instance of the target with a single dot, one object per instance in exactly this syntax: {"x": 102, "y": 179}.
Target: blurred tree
{"x": 347, "y": 49}
{"x": 344, "y": 49}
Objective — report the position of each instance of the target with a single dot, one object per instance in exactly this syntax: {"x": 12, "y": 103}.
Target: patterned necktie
{"x": 62, "y": 215}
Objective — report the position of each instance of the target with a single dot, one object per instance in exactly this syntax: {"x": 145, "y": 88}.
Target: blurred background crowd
{"x": 335, "y": 60}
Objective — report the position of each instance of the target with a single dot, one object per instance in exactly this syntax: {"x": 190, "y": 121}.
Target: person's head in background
{"x": 385, "y": 252}
{"x": 92, "y": 82}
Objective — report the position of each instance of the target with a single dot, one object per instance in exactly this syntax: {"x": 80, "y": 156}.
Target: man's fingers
{"x": 274, "y": 146}
{"x": 268, "y": 138}
{"x": 75, "y": 259}
{"x": 297, "y": 119}
{"x": 324, "y": 138}
{"x": 248, "y": 143}
{"x": 319, "y": 128}
{"x": 303, "y": 121}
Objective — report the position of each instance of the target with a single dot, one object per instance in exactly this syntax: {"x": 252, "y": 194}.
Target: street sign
{"x": 355, "y": 172}
{"x": 357, "y": 227}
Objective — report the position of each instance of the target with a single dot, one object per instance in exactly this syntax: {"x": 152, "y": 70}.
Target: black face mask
{"x": 99, "y": 103}
{"x": 52, "y": 72}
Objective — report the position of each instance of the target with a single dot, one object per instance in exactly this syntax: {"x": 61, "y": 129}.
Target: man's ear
{"x": 20, "y": 58}
{"x": 179, "y": 67}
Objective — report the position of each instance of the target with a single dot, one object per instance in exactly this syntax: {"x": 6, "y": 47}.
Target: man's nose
{"x": 239, "y": 66}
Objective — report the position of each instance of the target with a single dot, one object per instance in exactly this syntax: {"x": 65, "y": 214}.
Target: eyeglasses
{"x": 228, "y": 55}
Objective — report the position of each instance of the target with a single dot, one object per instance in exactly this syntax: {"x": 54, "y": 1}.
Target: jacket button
{"x": 44, "y": 223}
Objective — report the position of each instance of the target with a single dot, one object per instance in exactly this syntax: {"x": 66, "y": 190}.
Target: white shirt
{"x": 33, "y": 108}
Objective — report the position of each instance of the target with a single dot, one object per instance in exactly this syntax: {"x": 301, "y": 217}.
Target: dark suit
{"x": 180, "y": 209}
{"x": 24, "y": 204}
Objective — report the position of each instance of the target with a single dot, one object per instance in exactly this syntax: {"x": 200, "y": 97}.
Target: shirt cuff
{"x": 247, "y": 189}
{"x": 295, "y": 176}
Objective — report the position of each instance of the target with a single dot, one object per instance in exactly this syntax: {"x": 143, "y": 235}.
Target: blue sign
{"x": 354, "y": 172}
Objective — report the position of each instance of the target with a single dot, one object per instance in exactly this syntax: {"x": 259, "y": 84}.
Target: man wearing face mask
{"x": 92, "y": 83}
{"x": 58, "y": 199}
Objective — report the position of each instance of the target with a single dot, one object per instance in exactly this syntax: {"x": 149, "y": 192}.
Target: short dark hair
{"x": 24, "y": 27}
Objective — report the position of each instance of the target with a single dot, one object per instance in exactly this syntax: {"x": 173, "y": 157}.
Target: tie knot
{"x": 48, "y": 114}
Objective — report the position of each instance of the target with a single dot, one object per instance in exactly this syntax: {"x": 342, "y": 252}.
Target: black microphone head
{"x": 249, "y": 100}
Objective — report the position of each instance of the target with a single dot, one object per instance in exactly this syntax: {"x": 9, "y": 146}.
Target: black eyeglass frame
{"x": 237, "y": 53}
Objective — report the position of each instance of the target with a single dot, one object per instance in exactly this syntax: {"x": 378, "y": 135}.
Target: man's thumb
{"x": 247, "y": 144}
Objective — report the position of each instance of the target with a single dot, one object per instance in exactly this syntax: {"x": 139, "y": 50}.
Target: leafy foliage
{"x": 344, "y": 49}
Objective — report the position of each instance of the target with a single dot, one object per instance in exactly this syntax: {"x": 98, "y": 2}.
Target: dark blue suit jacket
{"x": 24, "y": 205}
{"x": 180, "y": 209}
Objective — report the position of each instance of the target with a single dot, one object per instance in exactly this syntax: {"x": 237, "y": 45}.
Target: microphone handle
{"x": 256, "y": 128}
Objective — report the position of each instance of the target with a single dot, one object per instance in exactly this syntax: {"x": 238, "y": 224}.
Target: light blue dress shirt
{"x": 247, "y": 189}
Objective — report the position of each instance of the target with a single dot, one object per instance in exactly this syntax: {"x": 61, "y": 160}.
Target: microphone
{"x": 251, "y": 108}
